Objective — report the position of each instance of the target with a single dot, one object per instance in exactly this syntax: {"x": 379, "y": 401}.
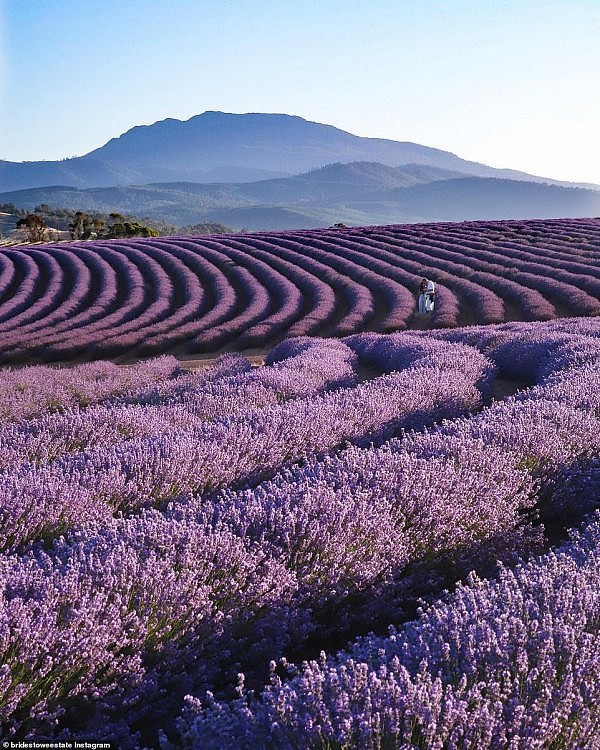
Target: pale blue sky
{"x": 511, "y": 83}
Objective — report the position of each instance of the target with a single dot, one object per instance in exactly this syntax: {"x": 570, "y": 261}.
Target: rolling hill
{"x": 358, "y": 193}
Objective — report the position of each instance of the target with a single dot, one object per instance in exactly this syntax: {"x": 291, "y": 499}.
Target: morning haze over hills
{"x": 273, "y": 171}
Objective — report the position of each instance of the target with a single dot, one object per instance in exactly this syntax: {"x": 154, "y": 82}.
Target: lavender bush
{"x": 512, "y": 662}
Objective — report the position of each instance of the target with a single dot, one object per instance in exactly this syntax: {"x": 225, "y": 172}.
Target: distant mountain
{"x": 216, "y": 146}
{"x": 485, "y": 198}
{"x": 184, "y": 202}
{"x": 337, "y": 182}
{"x": 358, "y": 193}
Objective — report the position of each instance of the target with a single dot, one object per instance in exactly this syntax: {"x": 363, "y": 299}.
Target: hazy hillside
{"x": 216, "y": 146}
{"x": 483, "y": 198}
{"x": 185, "y": 202}
{"x": 355, "y": 194}
{"x": 338, "y": 181}
{"x": 257, "y": 218}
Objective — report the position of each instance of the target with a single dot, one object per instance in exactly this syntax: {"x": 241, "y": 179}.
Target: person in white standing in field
{"x": 429, "y": 296}
{"x": 422, "y": 291}
{"x": 426, "y": 296}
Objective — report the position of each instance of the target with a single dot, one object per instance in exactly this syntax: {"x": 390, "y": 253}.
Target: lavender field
{"x": 387, "y": 536}
{"x": 375, "y": 541}
{"x": 201, "y": 295}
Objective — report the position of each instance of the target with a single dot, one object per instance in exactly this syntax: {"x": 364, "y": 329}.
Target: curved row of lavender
{"x": 189, "y": 295}
{"x": 75, "y": 468}
{"x": 159, "y": 539}
{"x": 511, "y": 662}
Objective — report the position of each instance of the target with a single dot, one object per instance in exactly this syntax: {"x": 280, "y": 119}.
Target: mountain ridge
{"x": 238, "y": 147}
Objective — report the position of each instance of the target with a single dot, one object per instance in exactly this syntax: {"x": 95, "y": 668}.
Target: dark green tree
{"x": 81, "y": 227}
{"x": 121, "y": 227}
{"x": 34, "y": 226}
{"x": 98, "y": 225}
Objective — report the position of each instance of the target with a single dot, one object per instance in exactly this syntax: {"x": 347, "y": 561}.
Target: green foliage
{"x": 34, "y": 226}
{"x": 85, "y": 225}
{"x": 121, "y": 227}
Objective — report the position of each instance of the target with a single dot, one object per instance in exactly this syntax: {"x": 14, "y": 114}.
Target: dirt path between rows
{"x": 199, "y": 363}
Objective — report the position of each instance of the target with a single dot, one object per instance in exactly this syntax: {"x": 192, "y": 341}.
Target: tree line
{"x": 82, "y": 225}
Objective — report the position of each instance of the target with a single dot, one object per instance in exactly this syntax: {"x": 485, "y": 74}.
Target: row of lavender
{"x": 139, "y": 568}
{"x": 68, "y": 468}
{"x": 509, "y": 662}
{"x": 98, "y": 299}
